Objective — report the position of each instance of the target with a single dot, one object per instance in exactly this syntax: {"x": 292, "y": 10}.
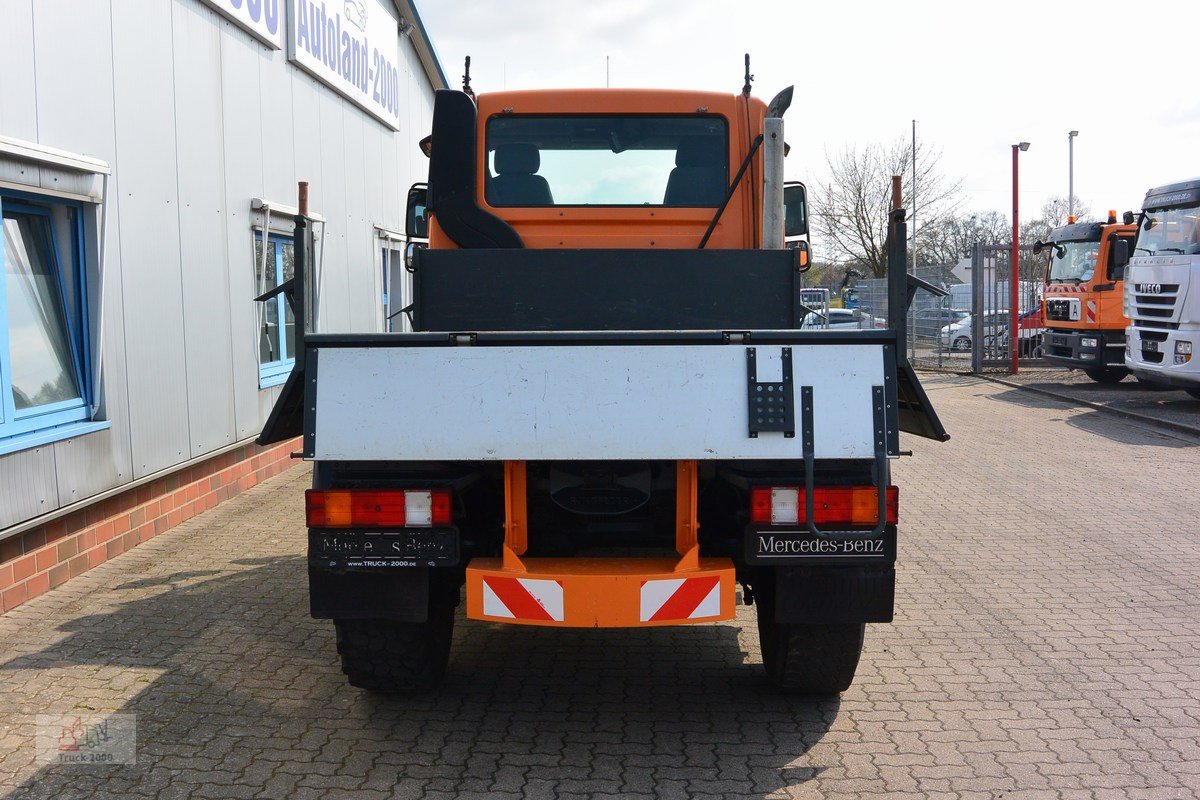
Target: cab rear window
{"x": 630, "y": 160}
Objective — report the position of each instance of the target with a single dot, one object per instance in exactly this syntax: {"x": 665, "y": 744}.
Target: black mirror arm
{"x": 286, "y": 286}
{"x": 737, "y": 179}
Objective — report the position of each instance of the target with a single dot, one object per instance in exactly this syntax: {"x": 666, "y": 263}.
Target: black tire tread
{"x": 391, "y": 657}
{"x": 818, "y": 660}
{"x": 1107, "y": 374}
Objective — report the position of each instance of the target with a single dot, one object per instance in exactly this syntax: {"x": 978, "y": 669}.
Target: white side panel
{"x": 18, "y": 97}
{"x": 152, "y": 283}
{"x": 582, "y": 402}
{"x": 244, "y": 164}
{"x": 202, "y": 251}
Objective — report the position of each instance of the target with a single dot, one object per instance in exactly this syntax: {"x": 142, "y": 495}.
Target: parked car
{"x": 842, "y": 319}
{"x": 928, "y": 322}
{"x": 957, "y": 335}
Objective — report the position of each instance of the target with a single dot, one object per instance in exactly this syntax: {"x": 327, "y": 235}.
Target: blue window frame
{"x": 45, "y": 365}
{"x": 276, "y": 342}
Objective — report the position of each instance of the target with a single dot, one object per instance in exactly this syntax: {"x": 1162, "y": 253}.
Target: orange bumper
{"x": 600, "y": 592}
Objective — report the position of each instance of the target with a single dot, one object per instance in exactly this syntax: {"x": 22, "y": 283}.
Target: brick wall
{"x": 51, "y": 554}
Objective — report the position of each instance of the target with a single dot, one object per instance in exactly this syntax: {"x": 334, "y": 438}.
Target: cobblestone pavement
{"x": 1046, "y": 645}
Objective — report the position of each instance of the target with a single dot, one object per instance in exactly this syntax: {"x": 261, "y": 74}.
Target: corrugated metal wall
{"x": 196, "y": 118}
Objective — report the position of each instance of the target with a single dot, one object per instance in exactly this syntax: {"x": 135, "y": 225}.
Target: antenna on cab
{"x": 749, "y": 77}
{"x": 467, "y": 90}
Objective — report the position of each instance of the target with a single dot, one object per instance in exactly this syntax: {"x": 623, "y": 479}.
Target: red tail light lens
{"x": 851, "y": 505}
{"x": 384, "y": 508}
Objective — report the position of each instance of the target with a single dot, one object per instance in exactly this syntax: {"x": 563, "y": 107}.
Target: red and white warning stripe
{"x": 522, "y": 598}
{"x": 681, "y": 598}
{"x": 1091, "y": 310}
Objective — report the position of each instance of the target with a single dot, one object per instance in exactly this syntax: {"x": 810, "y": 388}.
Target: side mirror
{"x": 1119, "y": 259}
{"x": 803, "y": 256}
{"x": 1038, "y": 247}
{"x": 416, "y": 216}
{"x": 795, "y": 210}
{"x": 1128, "y": 218}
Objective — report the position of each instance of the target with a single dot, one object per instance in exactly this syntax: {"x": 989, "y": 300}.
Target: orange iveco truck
{"x": 602, "y": 411}
{"x": 1082, "y": 304}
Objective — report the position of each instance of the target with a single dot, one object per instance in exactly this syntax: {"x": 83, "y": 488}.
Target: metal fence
{"x": 991, "y": 298}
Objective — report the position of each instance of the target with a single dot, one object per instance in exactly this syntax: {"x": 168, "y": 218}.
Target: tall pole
{"x": 1014, "y": 274}
{"x": 914, "y": 197}
{"x": 912, "y": 333}
{"x": 1071, "y": 172}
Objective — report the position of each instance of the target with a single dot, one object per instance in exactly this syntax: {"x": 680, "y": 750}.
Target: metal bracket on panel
{"x": 771, "y": 406}
{"x": 463, "y": 339}
{"x": 808, "y": 448}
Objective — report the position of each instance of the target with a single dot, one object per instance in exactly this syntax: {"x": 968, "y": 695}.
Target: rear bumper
{"x": 600, "y": 592}
{"x": 1067, "y": 348}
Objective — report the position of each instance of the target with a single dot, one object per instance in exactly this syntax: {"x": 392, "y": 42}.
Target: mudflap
{"x": 833, "y": 594}
{"x": 400, "y": 594}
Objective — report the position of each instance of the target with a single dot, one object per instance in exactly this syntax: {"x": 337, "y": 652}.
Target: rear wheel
{"x": 810, "y": 659}
{"x": 392, "y": 657}
{"x": 961, "y": 344}
{"x": 1106, "y": 374}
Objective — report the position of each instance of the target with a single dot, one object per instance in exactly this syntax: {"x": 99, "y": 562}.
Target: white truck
{"x": 1162, "y": 288}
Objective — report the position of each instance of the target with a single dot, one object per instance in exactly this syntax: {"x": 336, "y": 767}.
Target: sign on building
{"x": 354, "y": 47}
{"x": 263, "y": 18}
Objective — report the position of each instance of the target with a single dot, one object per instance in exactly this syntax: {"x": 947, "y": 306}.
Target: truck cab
{"x": 1082, "y": 302}
{"x": 1162, "y": 289}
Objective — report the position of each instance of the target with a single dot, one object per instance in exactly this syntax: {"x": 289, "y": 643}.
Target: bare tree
{"x": 1054, "y": 214}
{"x": 953, "y": 239}
{"x": 851, "y": 210}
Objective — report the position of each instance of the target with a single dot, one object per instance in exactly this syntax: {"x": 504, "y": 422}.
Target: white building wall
{"x": 195, "y": 118}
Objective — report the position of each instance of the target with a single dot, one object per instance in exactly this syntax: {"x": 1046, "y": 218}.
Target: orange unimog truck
{"x": 606, "y": 414}
{"x": 1082, "y": 304}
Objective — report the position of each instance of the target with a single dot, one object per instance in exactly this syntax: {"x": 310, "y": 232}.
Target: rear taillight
{"x": 383, "y": 508}
{"x": 856, "y": 505}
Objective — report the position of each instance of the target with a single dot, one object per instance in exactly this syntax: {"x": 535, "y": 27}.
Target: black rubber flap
{"x": 287, "y": 417}
{"x": 916, "y": 413}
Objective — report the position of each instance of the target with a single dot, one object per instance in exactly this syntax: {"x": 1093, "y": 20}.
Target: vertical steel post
{"x": 977, "y": 259}
{"x": 1071, "y": 173}
{"x": 1013, "y": 273}
{"x": 772, "y": 218}
{"x": 897, "y": 272}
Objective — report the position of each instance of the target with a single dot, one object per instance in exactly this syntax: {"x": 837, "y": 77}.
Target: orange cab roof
{"x": 610, "y": 101}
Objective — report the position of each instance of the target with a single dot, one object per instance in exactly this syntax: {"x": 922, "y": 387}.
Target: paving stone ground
{"x": 1047, "y": 645}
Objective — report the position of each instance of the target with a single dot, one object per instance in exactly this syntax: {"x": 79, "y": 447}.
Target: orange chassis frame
{"x": 600, "y": 592}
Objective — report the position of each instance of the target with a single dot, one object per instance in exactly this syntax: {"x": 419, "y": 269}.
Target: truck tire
{"x": 817, "y": 660}
{"x": 1106, "y": 374}
{"x": 391, "y": 657}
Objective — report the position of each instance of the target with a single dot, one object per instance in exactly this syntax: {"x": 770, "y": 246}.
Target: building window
{"x": 276, "y": 342}
{"x": 44, "y": 363}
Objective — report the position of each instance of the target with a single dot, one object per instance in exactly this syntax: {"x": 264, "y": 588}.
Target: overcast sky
{"x": 977, "y": 76}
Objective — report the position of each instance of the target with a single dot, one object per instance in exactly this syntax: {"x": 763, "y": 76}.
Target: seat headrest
{"x": 517, "y": 157}
{"x": 700, "y": 151}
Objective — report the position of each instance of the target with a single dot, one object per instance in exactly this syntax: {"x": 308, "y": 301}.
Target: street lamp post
{"x": 1014, "y": 274}
{"x": 1071, "y": 172}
